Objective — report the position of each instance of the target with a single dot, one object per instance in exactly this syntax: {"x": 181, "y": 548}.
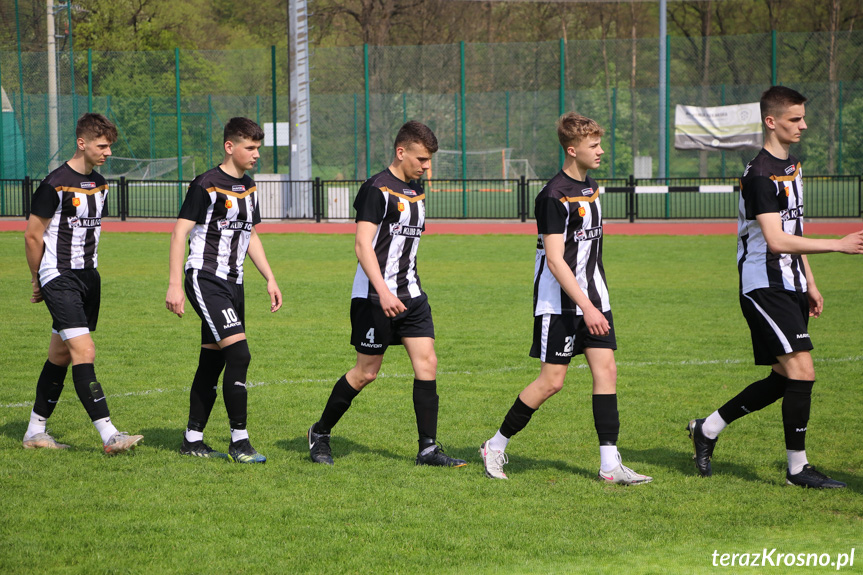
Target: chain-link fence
{"x": 476, "y": 97}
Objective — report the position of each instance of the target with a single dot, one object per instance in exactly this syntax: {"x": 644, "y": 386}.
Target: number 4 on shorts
{"x": 370, "y": 335}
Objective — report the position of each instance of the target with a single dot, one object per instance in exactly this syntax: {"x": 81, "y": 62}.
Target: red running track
{"x": 827, "y": 228}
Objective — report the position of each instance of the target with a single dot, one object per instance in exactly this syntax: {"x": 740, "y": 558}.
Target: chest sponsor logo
{"x": 89, "y": 223}
{"x": 581, "y": 211}
{"x": 790, "y": 170}
{"x": 76, "y": 202}
{"x": 403, "y": 230}
{"x": 235, "y": 225}
{"x": 229, "y": 204}
{"x": 587, "y": 234}
{"x": 587, "y": 192}
{"x": 409, "y": 192}
{"x": 88, "y": 185}
{"x": 238, "y": 188}
{"x": 791, "y": 214}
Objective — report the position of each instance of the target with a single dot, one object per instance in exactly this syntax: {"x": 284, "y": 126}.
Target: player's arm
{"x": 364, "y": 248}
{"x": 34, "y": 248}
{"x": 554, "y": 244}
{"x": 259, "y": 258}
{"x": 816, "y": 301}
{"x": 175, "y": 299}
{"x": 780, "y": 242}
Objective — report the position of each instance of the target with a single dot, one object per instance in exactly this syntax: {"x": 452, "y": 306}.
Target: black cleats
{"x": 319, "y": 447}
{"x": 812, "y": 478}
{"x": 200, "y": 449}
{"x": 242, "y": 452}
{"x": 438, "y": 458}
{"x": 703, "y": 447}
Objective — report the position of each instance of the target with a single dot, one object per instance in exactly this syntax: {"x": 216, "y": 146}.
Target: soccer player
{"x": 388, "y": 306}
{"x": 572, "y": 313}
{"x": 220, "y": 212}
{"x": 61, "y": 243}
{"x": 777, "y": 290}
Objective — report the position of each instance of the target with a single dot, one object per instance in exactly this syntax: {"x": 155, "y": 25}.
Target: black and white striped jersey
{"x": 569, "y": 207}
{"x": 74, "y": 203}
{"x": 398, "y": 209}
{"x": 769, "y": 185}
{"x": 224, "y": 209}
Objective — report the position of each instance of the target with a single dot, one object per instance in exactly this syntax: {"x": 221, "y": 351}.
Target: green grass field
{"x": 683, "y": 350}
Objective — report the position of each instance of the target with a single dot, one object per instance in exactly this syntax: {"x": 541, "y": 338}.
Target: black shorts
{"x": 372, "y": 331}
{"x": 73, "y": 300}
{"x": 778, "y": 323}
{"x": 220, "y": 304}
{"x": 558, "y": 337}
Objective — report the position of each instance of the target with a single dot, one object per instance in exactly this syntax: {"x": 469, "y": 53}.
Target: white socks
{"x": 105, "y": 428}
{"x": 498, "y": 442}
{"x": 796, "y": 461}
{"x": 37, "y": 425}
{"x": 609, "y": 458}
{"x": 713, "y": 425}
{"x": 237, "y": 435}
{"x": 193, "y": 436}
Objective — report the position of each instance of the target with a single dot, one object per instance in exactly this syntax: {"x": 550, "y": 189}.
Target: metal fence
{"x": 475, "y": 96}
{"x": 509, "y": 199}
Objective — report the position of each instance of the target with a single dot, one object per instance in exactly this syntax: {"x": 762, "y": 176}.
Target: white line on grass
{"x": 685, "y": 362}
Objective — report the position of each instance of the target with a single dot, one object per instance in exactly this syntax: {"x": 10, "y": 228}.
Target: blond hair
{"x": 572, "y": 128}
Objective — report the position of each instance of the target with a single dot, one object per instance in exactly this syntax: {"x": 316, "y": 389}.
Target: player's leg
{"x": 606, "y": 418}
{"x": 553, "y": 341}
{"x": 73, "y": 300}
{"x": 773, "y": 332}
{"x": 48, "y": 390}
{"x": 221, "y": 306}
{"x": 796, "y": 403}
{"x": 371, "y": 332}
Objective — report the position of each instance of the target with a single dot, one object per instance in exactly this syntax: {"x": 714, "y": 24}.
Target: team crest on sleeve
{"x": 787, "y": 192}
{"x": 229, "y": 204}
{"x": 581, "y": 211}
{"x": 76, "y": 202}
{"x": 401, "y": 207}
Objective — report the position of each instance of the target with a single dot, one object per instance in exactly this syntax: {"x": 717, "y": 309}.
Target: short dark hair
{"x": 91, "y": 126}
{"x": 240, "y": 127}
{"x": 775, "y": 99}
{"x": 414, "y": 132}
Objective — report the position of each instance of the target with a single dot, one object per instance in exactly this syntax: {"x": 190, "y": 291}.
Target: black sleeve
{"x": 45, "y": 201}
{"x": 370, "y": 204}
{"x": 195, "y": 205}
{"x": 256, "y": 215}
{"x": 550, "y": 216}
{"x": 760, "y": 196}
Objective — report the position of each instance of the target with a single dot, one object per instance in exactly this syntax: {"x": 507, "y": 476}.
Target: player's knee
{"x": 60, "y": 357}
{"x": 367, "y": 376}
{"x": 553, "y": 386}
{"x": 237, "y": 354}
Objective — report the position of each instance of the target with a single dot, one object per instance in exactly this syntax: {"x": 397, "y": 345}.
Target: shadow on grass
{"x": 162, "y": 438}
{"x": 14, "y": 429}
{"x": 341, "y": 447}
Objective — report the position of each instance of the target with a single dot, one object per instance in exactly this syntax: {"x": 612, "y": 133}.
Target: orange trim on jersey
{"x": 787, "y": 178}
{"x": 81, "y": 190}
{"x": 411, "y": 199}
{"x": 570, "y": 199}
{"x": 239, "y": 195}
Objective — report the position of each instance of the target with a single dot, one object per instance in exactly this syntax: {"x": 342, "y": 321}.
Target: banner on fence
{"x": 717, "y": 128}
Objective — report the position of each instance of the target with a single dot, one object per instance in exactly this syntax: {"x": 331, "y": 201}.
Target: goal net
{"x": 519, "y": 167}
{"x": 148, "y": 168}
{"x": 478, "y": 164}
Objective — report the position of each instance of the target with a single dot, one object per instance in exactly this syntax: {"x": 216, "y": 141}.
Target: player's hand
{"x": 37, "y": 291}
{"x": 852, "y": 243}
{"x": 275, "y": 295}
{"x": 816, "y": 302}
{"x": 175, "y": 300}
{"x": 596, "y": 322}
{"x": 391, "y": 305}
